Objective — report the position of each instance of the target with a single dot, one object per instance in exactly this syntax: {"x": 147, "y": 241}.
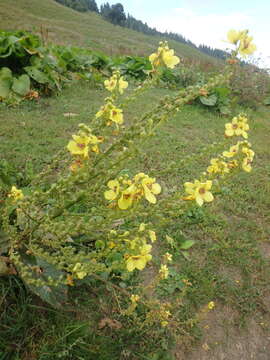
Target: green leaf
{"x": 209, "y": 100}
{"x": 5, "y": 73}
{"x": 36, "y": 74}
{"x": 222, "y": 91}
{"x": 225, "y": 110}
{"x": 53, "y": 295}
{"x": 5, "y": 87}
{"x": 21, "y": 85}
{"x": 266, "y": 101}
{"x": 187, "y": 244}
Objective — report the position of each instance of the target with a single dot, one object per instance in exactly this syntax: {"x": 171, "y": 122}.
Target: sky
{"x": 206, "y": 21}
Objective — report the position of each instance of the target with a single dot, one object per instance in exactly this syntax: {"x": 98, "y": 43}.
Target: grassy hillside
{"x": 67, "y": 26}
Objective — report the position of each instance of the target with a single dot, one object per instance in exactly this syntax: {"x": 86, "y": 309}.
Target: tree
{"x": 92, "y": 6}
{"x": 115, "y": 13}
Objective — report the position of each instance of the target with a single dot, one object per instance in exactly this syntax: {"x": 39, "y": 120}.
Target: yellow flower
{"x": 170, "y": 59}
{"x": 79, "y": 145}
{"x": 116, "y": 83}
{"x": 232, "y": 164}
{"x": 246, "y": 47}
{"x": 164, "y": 272}
{"x": 122, "y": 84}
{"x": 217, "y": 166}
{"x": 78, "y": 271}
{"x": 164, "y": 56}
{"x": 116, "y": 115}
{"x": 114, "y": 190}
{"x": 246, "y": 164}
{"x": 232, "y": 152}
{"x": 95, "y": 140}
{"x": 139, "y": 261}
{"x": 127, "y": 197}
{"x": 199, "y": 191}
{"x": 238, "y": 127}
{"x": 134, "y": 298}
{"x": 142, "y": 227}
{"x": 164, "y": 323}
{"x": 248, "y": 152}
{"x": 168, "y": 257}
{"x": 154, "y": 60}
{"x": 16, "y": 194}
{"x": 150, "y": 188}
{"x": 234, "y": 36}
{"x": 152, "y": 236}
{"x": 111, "y": 245}
{"x": 103, "y": 110}
{"x": 110, "y": 84}
{"x": 211, "y": 305}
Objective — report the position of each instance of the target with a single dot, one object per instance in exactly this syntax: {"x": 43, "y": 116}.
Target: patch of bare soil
{"x": 222, "y": 340}
{"x": 265, "y": 251}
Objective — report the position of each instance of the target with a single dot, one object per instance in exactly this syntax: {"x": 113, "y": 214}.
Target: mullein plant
{"x": 64, "y": 231}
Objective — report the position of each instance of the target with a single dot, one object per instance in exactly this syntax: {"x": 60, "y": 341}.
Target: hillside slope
{"x": 67, "y": 26}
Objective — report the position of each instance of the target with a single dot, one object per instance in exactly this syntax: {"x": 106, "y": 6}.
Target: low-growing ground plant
{"x": 85, "y": 217}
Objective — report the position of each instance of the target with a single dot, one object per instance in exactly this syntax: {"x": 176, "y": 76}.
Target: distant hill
{"x": 89, "y": 29}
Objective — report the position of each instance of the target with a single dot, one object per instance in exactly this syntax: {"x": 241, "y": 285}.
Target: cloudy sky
{"x": 206, "y": 21}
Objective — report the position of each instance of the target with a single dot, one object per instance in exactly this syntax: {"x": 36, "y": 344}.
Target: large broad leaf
{"x": 225, "y": 110}
{"x": 5, "y": 73}
{"x": 53, "y": 295}
{"x": 21, "y": 85}
{"x": 209, "y": 100}
{"x": 7, "y": 45}
{"x": 222, "y": 91}
{"x": 36, "y": 74}
{"x": 6, "y": 80}
{"x": 5, "y": 87}
{"x": 187, "y": 244}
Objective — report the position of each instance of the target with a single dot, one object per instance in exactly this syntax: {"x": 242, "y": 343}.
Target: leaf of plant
{"x": 187, "y": 244}
{"x": 5, "y": 87}
{"x": 21, "y": 85}
{"x": 6, "y": 73}
{"x": 266, "y": 101}
{"x": 53, "y": 295}
{"x": 225, "y": 110}
{"x": 209, "y": 100}
{"x": 36, "y": 74}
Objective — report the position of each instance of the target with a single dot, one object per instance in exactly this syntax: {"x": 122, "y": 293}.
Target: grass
{"x": 229, "y": 263}
{"x": 66, "y": 26}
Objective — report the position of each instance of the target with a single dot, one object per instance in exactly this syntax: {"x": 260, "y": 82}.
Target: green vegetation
{"x": 227, "y": 267}
{"x": 89, "y": 30}
{"x": 80, "y": 5}
{"x": 69, "y": 226}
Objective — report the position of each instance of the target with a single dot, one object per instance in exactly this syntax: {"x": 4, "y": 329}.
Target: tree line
{"x": 116, "y": 15}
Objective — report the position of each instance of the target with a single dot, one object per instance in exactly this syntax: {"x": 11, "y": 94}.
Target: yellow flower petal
{"x": 110, "y": 195}
{"x": 208, "y": 197}
{"x": 152, "y": 235}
